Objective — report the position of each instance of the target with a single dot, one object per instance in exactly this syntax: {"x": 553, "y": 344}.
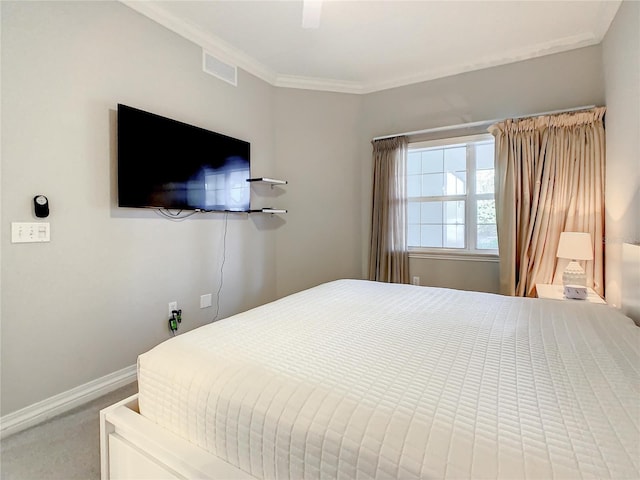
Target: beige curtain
{"x": 388, "y": 255}
{"x": 549, "y": 179}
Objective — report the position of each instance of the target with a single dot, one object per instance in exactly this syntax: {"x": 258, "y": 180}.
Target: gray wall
{"x": 553, "y": 82}
{"x": 317, "y": 151}
{"x": 87, "y": 303}
{"x": 621, "y": 59}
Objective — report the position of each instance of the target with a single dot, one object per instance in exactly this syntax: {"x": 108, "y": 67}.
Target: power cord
{"x": 175, "y": 217}
{"x": 176, "y": 315}
{"x": 224, "y": 257}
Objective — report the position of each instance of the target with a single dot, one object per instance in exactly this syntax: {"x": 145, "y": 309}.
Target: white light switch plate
{"x": 30, "y": 232}
{"x": 205, "y": 300}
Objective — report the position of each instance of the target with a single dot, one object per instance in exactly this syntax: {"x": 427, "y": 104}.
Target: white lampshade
{"x": 575, "y": 246}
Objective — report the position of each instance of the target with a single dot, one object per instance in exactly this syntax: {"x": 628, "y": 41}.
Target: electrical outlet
{"x": 415, "y": 280}
{"x": 172, "y": 306}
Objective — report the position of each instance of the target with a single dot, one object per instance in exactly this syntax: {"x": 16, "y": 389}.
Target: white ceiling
{"x": 364, "y": 46}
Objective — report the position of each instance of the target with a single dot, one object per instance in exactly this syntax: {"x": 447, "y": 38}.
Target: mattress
{"x": 356, "y": 379}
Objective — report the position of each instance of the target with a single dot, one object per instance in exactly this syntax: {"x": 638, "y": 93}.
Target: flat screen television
{"x": 164, "y": 163}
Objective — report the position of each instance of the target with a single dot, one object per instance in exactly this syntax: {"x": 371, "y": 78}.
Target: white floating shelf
{"x": 271, "y": 181}
{"x": 268, "y": 210}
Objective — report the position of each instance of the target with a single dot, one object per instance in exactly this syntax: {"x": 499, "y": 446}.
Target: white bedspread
{"x": 356, "y": 379}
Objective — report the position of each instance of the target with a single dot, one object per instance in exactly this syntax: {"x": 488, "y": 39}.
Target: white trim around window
{"x": 443, "y": 197}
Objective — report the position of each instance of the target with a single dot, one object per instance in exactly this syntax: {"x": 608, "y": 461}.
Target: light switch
{"x": 30, "y": 232}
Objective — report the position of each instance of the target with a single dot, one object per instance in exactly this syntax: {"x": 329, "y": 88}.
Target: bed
{"x": 359, "y": 379}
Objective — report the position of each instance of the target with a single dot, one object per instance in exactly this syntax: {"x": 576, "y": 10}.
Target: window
{"x": 450, "y": 188}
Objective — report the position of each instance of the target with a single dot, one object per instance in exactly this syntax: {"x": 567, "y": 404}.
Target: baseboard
{"x": 41, "y": 411}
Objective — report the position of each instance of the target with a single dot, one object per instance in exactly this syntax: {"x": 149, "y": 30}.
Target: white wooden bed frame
{"x": 133, "y": 447}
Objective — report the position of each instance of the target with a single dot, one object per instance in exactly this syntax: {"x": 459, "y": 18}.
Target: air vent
{"x": 216, "y": 67}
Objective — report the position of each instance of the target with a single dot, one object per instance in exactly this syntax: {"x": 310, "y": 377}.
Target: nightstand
{"x": 556, "y": 292}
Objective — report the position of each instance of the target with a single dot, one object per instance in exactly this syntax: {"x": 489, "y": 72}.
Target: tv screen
{"x": 163, "y": 163}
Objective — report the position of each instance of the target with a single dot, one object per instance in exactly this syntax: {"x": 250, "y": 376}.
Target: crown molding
{"x": 234, "y": 56}
{"x": 321, "y": 84}
{"x": 210, "y": 43}
{"x": 513, "y": 56}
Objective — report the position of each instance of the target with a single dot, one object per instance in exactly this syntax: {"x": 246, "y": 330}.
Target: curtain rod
{"x": 483, "y": 122}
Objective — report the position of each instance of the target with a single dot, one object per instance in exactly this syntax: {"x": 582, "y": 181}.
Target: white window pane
{"x": 455, "y": 159}
{"x": 414, "y": 163}
{"x": 454, "y": 236}
{"x": 455, "y": 212}
{"x": 484, "y": 156}
{"x": 486, "y": 212}
{"x": 431, "y": 212}
{"x": 432, "y": 161}
{"x": 431, "y": 236}
{"x": 487, "y": 237}
{"x": 484, "y": 181}
{"x": 456, "y": 183}
{"x": 413, "y": 236}
{"x": 413, "y": 212}
{"x": 432, "y": 184}
{"x": 443, "y": 173}
{"x": 413, "y": 185}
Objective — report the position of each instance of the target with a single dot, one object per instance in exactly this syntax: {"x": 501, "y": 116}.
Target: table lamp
{"x": 575, "y": 246}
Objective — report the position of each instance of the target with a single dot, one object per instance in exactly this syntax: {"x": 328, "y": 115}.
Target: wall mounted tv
{"x": 163, "y": 163}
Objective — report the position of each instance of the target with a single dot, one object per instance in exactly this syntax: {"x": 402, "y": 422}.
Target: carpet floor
{"x": 64, "y": 448}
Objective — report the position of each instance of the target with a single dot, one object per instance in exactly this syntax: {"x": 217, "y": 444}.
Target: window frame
{"x": 470, "y": 197}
